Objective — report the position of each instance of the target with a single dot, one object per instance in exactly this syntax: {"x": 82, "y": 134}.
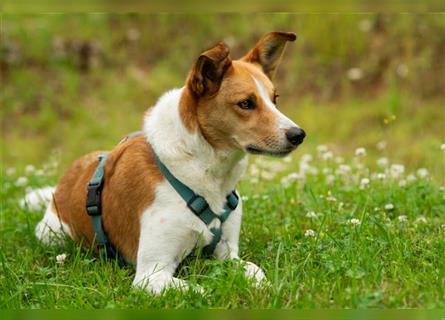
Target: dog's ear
{"x": 208, "y": 71}
{"x": 268, "y": 50}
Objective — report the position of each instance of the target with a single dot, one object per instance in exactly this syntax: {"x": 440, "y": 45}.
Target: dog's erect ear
{"x": 268, "y": 51}
{"x": 208, "y": 71}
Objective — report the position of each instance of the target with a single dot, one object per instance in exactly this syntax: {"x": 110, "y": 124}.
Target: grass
{"x": 391, "y": 256}
{"x": 54, "y": 110}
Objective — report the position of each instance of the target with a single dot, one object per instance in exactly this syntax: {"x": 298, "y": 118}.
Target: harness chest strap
{"x": 200, "y": 207}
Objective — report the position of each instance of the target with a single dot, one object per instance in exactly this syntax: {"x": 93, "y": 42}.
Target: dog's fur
{"x": 201, "y": 134}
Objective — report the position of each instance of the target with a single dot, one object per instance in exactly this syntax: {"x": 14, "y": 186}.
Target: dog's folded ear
{"x": 268, "y": 50}
{"x": 208, "y": 71}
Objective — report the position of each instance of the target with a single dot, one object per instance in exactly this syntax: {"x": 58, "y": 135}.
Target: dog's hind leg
{"x": 51, "y": 230}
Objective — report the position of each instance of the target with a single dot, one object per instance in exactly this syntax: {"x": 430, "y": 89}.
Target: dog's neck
{"x": 191, "y": 159}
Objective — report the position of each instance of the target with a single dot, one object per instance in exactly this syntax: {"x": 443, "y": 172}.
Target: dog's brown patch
{"x": 131, "y": 177}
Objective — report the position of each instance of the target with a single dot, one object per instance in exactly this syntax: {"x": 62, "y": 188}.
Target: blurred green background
{"x": 73, "y": 83}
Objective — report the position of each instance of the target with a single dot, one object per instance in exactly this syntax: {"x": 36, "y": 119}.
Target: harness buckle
{"x": 197, "y": 204}
{"x": 93, "y": 199}
{"x": 232, "y": 200}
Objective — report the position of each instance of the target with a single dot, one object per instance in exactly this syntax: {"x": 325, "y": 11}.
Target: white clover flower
{"x": 422, "y": 173}
{"x": 421, "y": 219}
{"x": 402, "y": 218}
{"x": 340, "y": 205}
{"x": 253, "y": 170}
{"x": 402, "y": 70}
{"x": 10, "y": 171}
{"x": 339, "y": 160}
{"x": 381, "y": 145}
{"x": 29, "y": 169}
{"x": 311, "y": 214}
{"x": 60, "y": 259}
{"x": 343, "y": 169}
{"x": 382, "y": 162}
{"x": 327, "y": 155}
{"x": 267, "y": 175}
{"x": 254, "y": 180}
{"x": 326, "y": 171}
{"x": 396, "y": 170}
{"x": 360, "y": 152}
{"x": 355, "y": 74}
{"x": 389, "y": 206}
{"x": 244, "y": 198}
{"x": 364, "y": 183}
{"x": 21, "y": 182}
{"x": 39, "y": 173}
{"x": 411, "y": 178}
{"x": 354, "y": 222}
{"x": 306, "y": 157}
{"x": 330, "y": 197}
{"x": 287, "y": 159}
{"x": 322, "y": 148}
{"x": 330, "y": 179}
{"x": 442, "y": 147}
{"x": 381, "y": 176}
{"x": 309, "y": 233}
{"x": 365, "y": 25}
{"x": 402, "y": 183}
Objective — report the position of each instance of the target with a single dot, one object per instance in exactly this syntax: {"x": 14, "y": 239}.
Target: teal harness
{"x": 196, "y": 203}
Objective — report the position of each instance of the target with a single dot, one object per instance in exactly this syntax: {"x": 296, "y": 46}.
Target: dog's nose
{"x": 295, "y": 135}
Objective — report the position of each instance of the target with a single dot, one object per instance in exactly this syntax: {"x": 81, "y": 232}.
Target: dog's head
{"x": 233, "y": 102}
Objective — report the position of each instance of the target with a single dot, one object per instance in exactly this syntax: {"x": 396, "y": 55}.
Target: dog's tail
{"x": 38, "y": 199}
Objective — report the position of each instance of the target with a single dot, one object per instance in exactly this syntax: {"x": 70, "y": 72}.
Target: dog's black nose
{"x": 295, "y": 135}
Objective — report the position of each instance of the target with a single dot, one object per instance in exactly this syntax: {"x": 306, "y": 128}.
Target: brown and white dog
{"x": 201, "y": 132}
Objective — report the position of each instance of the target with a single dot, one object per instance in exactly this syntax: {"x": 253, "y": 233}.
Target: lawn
{"x": 355, "y": 218}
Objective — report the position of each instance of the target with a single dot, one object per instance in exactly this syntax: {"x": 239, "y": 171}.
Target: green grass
{"x": 384, "y": 261}
{"x": 54, "y": 111}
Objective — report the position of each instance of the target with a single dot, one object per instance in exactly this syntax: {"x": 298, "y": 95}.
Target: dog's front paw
{"x": 252, "y": 271}
{"x": 159, "y": 283}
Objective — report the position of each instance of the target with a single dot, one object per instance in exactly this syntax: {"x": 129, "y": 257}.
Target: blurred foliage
{"x": 78, "y": 82}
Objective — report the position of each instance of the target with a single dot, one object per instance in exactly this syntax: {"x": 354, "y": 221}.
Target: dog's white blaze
{"x": 283, "y": 121}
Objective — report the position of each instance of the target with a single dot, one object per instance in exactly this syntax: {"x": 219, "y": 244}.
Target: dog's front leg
{"x": 163, "y": 244}
{"x": 227, "y": 248}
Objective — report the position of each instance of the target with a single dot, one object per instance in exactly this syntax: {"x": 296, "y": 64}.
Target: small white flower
{"x": 311, "y": 214}
{"x": 402, "y": 218}
{"x": 381, "y": 176}
{"x": 29, "y": 169}
{"x": 381, "y": 145}
{"x": 306, "y": 157}
{"x": 365, "y": 25}
{"x": 397, "y": 170}
{"x": 402, "y": 70}
{"x": 254, "y": 180}
{"x": 422, "y": 173}
{"x": 411, "y": 178}
{"x": 39, "y": 173}
{"x": 287, "y": 159}
{"x": 421, "y": 219}
{"x": 60, "y": 259}
{"x": 343, "y": 169}
{"x": 389, "y": 206}
{"x": 330, "y": 197}
{"x": 364, "y": 183}
{"x": 354, "y": 222}
{"x": 322, "y": 148}
{"x": 355, "y": 74}
{"x": 330, "y": 179}
{"x": 21, "y": 182}
{"x": 402, "y": 183}
{"x": 244, "y": 198}
{"x": 382, "y": 162}
{"x": 309, "y": 233}
{"x": 442, "y": 147}
{"x": 326, "y": 171}
{"x": 339, "y": 160}
{"x": 360, "y": 152}
{"x": 10, "y": 171}
{"x": 327, "y": 155}
{"x": 265, "y": 197}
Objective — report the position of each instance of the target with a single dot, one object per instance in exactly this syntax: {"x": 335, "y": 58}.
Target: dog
{"x": 201, "y": 133}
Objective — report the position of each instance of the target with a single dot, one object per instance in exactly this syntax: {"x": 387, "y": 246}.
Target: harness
{"x": 196, "y": 203}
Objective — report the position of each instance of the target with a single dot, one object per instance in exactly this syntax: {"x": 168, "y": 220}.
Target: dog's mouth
{"x": 252, "y": 149}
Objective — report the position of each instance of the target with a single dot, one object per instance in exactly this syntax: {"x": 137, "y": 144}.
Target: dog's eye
{"x": 275, "y": 97}
{"x": 246, "y": 104}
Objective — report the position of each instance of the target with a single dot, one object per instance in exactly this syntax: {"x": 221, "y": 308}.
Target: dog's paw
{"x": 252, "y": 271}
{"x": 157, "y": 285}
